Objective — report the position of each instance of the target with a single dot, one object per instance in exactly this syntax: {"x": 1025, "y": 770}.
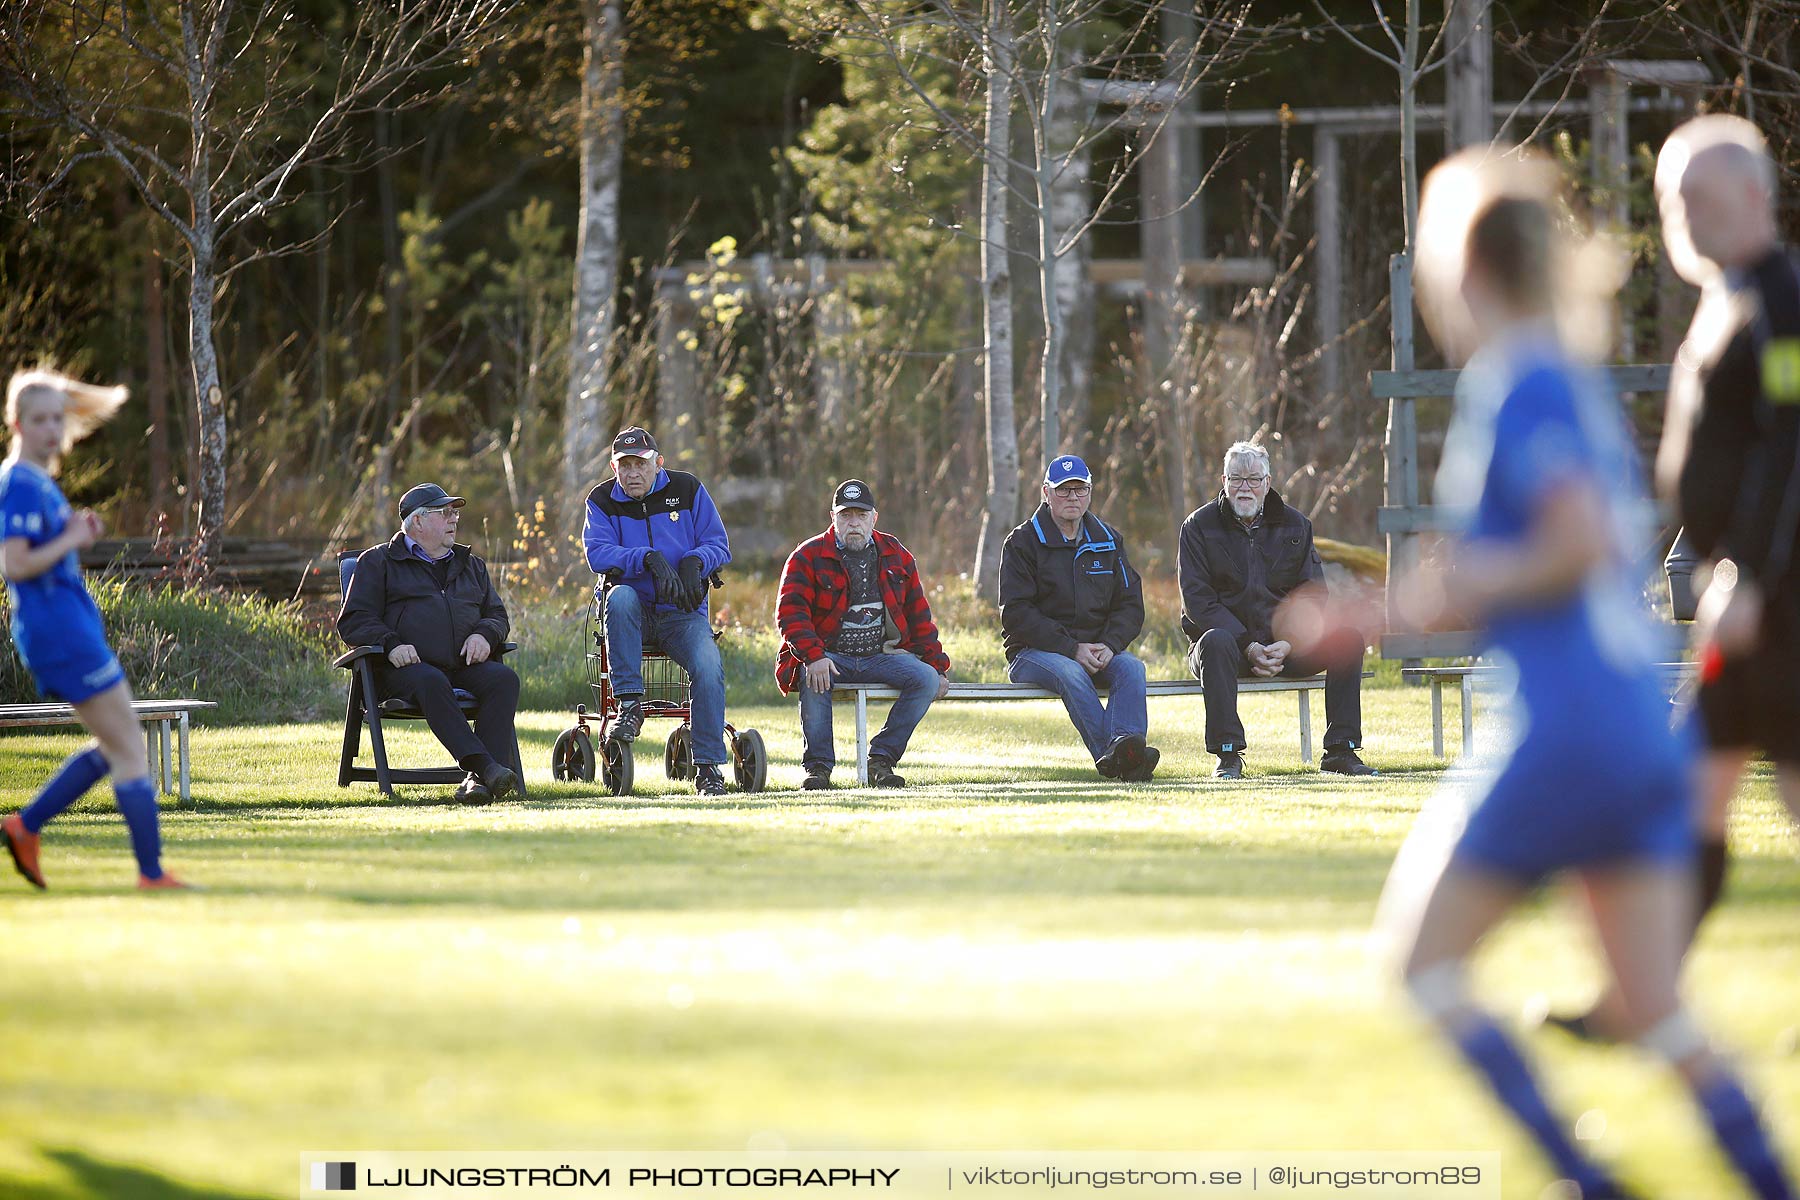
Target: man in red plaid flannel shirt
{"x": 852, "y": 609}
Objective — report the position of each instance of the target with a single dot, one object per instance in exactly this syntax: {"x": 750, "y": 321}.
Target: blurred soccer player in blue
{"x": 56, "y": 625}
{"x": 1596, "y": 783}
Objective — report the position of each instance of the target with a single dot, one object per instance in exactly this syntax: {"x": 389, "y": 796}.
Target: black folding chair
{"x": 358, "y": 712}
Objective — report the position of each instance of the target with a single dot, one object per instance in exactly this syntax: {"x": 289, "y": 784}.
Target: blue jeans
{"x": 1126, "y": 710}
{"x": 907, "y": 674}
{"x": 685, "y": 637}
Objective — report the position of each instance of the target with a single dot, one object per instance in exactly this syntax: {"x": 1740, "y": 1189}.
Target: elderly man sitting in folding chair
{"x": 429, "y": 604}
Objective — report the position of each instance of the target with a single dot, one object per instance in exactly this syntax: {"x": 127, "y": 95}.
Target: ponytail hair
{"x": 85, "y": 406}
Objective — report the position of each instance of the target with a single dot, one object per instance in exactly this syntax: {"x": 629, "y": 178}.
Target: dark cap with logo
{"x": 633, "y": 442}
{"x": 427, "y": 495}
{"x": 852, "y": 493}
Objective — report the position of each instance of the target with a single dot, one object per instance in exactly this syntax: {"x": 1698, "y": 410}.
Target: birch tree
{"x": 211, "y": 110}
{"x": 593, "y": 318}
{"x": 996, "y": 296}
{"x": 1074, "y": 73}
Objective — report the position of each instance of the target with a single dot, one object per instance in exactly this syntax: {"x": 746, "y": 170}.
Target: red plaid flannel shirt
{"x": 815, "y": 595}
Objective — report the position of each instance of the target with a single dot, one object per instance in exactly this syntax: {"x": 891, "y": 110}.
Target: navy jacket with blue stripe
{"x": 1055, "y": 593}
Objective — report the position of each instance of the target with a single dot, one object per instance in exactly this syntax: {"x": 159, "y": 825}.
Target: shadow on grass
{"x": 91, "y": 1178}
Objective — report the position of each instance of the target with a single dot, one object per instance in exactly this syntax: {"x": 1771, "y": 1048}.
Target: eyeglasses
{"x": 1244, "y": 480}
{"x": 432, "y": 512}
{"x": 1074, "y": 491}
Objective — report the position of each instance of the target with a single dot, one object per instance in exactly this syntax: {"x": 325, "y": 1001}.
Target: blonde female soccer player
{"x": 1597, "y": 785}
{"x": 56, "y": 625}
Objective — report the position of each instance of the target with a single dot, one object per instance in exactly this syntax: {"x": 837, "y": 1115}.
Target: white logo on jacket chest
{"x": 674, "y": 516}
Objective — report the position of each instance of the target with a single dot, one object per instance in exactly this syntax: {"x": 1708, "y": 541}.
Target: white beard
{"x": 1246, "y": 510}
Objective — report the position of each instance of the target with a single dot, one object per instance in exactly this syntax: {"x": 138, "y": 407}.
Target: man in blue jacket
{"x": 657, "y": 533}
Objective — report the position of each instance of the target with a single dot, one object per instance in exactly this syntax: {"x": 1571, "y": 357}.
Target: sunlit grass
{"x": 1011, "y": 953}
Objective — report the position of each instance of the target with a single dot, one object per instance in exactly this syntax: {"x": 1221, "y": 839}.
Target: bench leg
{"x": 1306, "y": 754}
{"x": 862, "y": 739}
{"x": 168, "y": 783}
{"x": 150, "y": 752}
{"x": 1468, "y": 715}
{"x": 1437, "y": 717}
{"x": 187, "y": 799}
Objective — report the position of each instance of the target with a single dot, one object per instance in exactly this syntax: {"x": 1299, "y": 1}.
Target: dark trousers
{"x": 429, "y": 689}
{"x": 1218, "y": 664}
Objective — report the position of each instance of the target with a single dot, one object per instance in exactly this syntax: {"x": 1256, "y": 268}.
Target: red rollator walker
{"x": 666, "y": 696}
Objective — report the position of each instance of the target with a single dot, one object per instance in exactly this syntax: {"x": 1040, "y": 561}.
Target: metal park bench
{"x": 156, "y": 715}
{"x": 862, "y": 693}
{"x": 1676, "y": 675}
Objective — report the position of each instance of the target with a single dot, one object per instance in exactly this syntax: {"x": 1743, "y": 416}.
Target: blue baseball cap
{"x": 1066, "y": 468}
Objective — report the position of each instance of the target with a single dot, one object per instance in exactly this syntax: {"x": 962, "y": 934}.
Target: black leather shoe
{"x": 500, "y": 780}
{"x": 708, "y": 781}
{"x": 1121, "y": 758}
{"x": 881, "y": 774}
{"x": 1231, "y": 766}
{"x": 817, "y": 781}
{"x": 1146, "y": 766}
{"x": 1345, "y": 762}
{"x": 629, "y": 723}
{"x": 472, "y": 791}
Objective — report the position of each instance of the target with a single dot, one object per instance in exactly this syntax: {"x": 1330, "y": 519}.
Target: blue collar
{"x": 417, "y": 551}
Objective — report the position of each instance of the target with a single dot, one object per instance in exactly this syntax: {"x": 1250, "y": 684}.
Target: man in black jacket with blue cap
{"x": 428, "y": 602}
{"x": 1070, "y": 604}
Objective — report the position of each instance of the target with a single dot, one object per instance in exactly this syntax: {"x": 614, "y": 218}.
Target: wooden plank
{"x": 1127, "y": 274}
{"x": 1399, "y": 385}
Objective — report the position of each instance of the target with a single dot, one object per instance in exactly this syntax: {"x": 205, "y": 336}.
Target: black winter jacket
{"x": 1055, "y": 593}
{"x": 394, "y": 600}
{"x": 1232, "y": 578}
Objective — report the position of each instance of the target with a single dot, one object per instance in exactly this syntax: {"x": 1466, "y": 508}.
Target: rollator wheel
{"x": 750, "y": 762}
{"x": 678, "y": 753}
{"x": 572, "y": 758}
{"x": 617, "y": 768}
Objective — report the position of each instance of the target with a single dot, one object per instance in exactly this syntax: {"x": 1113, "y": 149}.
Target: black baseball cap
{"x": 427, "y": 495}
{"x": 853, "y": 493}
{"x": 633, "y": 441}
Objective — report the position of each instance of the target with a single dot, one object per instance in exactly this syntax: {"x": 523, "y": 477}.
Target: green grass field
{"x": 1012, "y": 954}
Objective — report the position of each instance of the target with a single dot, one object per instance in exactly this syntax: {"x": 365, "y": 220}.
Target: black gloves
{"x": 669, "y": 588}
{"x": 693, "y": 586}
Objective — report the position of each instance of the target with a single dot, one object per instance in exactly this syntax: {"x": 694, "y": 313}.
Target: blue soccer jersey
{"x": 1596, "y": 773}
{"x": 56, "y": 625}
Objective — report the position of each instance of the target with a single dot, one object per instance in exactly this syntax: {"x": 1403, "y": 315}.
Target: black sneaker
{"x": 708, "y": 781}
{"x": 881, "y": 774}
{"x": 1231, "y": 766}
{"x": 472, "y": 791}
{"x": 630, "y": 721}
{"x": 817, "y": 781}
{"x": 1121, "y": 758}
{"x": 1146, "y": 766}
{"x": 1345, "y": 762}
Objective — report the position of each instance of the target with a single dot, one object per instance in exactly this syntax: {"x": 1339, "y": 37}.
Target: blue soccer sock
{"x": 1741, "y": 1135}
{"x": 81, "y": 771}
{"x": 137, "y": 803}
{"x": 1493, "y": 1054}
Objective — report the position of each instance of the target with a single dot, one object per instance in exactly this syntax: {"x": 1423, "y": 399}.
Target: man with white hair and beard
{"x": 1241, "y": 555}
{"x": 852, "y": 610}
